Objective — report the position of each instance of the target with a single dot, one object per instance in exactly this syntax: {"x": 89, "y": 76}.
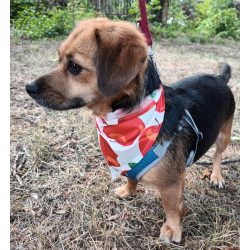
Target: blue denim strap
{"x": 153, "y": 156}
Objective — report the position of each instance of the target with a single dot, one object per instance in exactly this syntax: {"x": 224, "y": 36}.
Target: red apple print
{"x": 125, "y": 132}
{"x": 160, "y": 106}
{"x": 123, "y": 173}
{"x": 147, "y": 138}
{"x": 109, "y": 154}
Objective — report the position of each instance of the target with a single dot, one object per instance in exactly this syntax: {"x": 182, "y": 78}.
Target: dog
{"x": 104, "y": 66}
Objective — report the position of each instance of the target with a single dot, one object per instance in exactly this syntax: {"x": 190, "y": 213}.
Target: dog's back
{"x": 209, "y": 100}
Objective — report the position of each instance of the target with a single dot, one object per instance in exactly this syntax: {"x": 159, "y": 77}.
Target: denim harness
{"x": 156, "y": 153}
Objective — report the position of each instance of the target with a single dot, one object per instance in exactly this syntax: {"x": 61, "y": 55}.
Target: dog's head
{"x": 101, "y": 61}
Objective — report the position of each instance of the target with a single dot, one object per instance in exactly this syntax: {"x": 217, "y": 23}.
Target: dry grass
{"x": 61, "y": 193}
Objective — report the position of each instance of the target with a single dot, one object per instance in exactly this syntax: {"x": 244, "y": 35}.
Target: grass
{"x": 61, "y": 193}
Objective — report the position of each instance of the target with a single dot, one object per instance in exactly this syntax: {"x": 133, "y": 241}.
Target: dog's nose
{"x": 32, "y": 88}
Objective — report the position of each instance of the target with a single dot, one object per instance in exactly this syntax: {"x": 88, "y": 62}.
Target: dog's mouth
{"x": 69, "y": 104}
{"x": 53, "y": 100}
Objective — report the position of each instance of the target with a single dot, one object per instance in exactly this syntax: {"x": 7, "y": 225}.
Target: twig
{"x": 223, "y": 162}
{"x": 19, "y": 179}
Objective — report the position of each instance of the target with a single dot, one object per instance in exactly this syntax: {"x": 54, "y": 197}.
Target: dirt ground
{"x": 61, "y": 192}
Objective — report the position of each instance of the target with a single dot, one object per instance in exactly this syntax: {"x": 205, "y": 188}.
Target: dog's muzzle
{"x": 38, "y": 90}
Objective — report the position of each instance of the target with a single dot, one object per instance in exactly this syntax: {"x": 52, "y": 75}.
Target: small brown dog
{"x": 104, "y": 65}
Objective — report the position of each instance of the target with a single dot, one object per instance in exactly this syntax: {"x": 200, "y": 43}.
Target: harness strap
{"x": 188, "y": 118}
{"x": 156, "y": 153}
{"x": 153, "y": 156}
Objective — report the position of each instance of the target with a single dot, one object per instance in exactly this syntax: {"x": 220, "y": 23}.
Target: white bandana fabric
{"x": 125, "y": 138}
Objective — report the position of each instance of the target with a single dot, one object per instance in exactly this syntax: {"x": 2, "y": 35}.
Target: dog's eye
{"x": 74, "y": 68}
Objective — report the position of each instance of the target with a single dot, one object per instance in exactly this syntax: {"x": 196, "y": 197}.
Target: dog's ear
{"x": 121, "y": 55}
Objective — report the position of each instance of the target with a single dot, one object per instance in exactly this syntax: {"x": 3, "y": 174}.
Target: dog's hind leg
{"x": 129, "y": 189}
{"x": 221, "y": 143}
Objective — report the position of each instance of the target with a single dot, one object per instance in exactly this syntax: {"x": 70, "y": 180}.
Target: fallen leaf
{"x": 206, "y": 174}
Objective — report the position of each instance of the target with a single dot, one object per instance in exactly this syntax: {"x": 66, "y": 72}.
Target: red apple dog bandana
{"x": 125, "y": 138}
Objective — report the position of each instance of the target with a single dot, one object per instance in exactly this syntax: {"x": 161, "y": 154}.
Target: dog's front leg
{"x": 129, "y": 189}
{"x": 173, "y": 205}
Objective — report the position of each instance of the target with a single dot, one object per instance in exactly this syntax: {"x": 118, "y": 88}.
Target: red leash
{"x": 143, "y": 23}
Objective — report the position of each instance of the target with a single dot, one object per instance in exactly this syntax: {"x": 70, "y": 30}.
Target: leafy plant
{"x": 153, "y": 8}
{"x": 200, "y": 20}
{"x": 36, "y": 22}
{"x": 217, "y": 18}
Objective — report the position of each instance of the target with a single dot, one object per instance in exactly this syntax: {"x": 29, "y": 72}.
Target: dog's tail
{"x": 224, "y": 71}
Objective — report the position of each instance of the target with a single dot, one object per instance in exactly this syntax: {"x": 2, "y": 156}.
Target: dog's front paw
{"x": 217, "y": 180}
{"x": 169, "y": 235}
{"x": 124, "y": 191}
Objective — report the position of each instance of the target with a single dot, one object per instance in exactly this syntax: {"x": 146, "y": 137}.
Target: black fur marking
{"x": 210, "y": 102}
{"x": 151, "y": 79}
{"x": 207, "y": 97}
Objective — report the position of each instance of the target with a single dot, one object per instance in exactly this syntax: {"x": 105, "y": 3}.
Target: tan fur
{"x": 129, "y": 189}
{"x": 221, "y": 143}
{"x": 113, "y": 56}
{"x": 82, "y": 46}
